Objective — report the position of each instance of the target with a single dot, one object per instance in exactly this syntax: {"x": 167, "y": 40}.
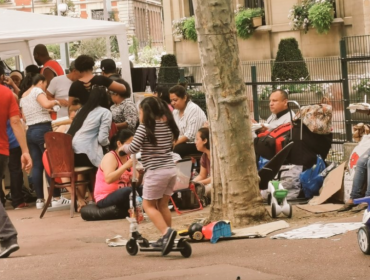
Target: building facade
{"x": 352, "y": 17}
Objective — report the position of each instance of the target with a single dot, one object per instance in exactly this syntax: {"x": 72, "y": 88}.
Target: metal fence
{"x": 344, "y": 80}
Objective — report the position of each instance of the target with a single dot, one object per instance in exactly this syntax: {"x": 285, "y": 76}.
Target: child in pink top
{"x": 113, "y": 179}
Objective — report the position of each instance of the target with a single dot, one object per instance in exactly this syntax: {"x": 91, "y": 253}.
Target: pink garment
{"x": 170, "y": 107}
{"x": 102, "y": 189}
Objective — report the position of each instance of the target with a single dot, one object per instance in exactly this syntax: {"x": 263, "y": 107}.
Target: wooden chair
{"x": 60, "y": 157}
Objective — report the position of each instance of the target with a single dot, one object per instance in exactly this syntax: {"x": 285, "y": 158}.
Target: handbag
{"x": 311, "y": 179}
{"x": 317, "y": 117}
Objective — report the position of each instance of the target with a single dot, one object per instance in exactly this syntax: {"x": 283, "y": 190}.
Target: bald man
{"x": 51, "y": 68}
{"x": 279, "y": 109}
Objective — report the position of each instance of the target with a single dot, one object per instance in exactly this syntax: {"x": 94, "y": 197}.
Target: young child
{"x": 154, "y": 138}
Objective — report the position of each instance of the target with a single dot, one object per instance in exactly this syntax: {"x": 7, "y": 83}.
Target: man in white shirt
{"x": 279, "y": 109}
{"x": 59, "y": 88}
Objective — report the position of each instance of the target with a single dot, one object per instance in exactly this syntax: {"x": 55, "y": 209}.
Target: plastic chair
{"x": 183, "y": 169}
{"x": 60, "y": 158}
{"x": 269, "y": 171}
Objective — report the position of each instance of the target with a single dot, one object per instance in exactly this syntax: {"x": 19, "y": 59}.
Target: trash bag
{"x": 311, "y": 179}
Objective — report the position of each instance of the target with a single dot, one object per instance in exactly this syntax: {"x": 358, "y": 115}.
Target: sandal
{"x": 347, "y": 207}
{"x": 359, "y": 208}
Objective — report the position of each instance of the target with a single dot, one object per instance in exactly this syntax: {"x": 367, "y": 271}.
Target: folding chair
{"x": 183, "y": 169}
{"x": 60, "y": 159}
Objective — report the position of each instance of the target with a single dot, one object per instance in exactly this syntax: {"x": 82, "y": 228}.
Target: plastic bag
{"x": 262, "y": 162}
{"x": 311, "y": 179}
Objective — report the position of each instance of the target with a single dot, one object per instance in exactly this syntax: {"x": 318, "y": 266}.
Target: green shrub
{"x": 189, "y": 29}
{"x": 244, "y": 22}
{"x": 321, "y": 16}
{"x": 289, "y": 63}
{"x": 199, "y": 98}
{"x": 169, "y": 70}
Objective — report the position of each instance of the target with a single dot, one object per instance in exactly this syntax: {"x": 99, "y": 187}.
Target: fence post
{"x": 255, "y": 93}
{"x": 345, "y": 85}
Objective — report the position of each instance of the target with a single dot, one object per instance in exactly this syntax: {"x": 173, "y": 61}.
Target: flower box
{"x": 257, "y": 21}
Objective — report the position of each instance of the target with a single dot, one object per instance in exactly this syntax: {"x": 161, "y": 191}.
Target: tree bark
{"x": 235, "y": 194}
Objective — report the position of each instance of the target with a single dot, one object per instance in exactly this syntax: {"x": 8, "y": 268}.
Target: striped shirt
{"x": 190, "y": 122}
{"x": 153, "y": 157}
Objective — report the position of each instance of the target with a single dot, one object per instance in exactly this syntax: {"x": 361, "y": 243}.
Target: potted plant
{"x": 169, "y": 70}
{"x": 178, "y": 28}
{"x": 321, "y": 16}
{"x": 189, "y": 29}
{"x": 244, "y": 21}
{"x": 298, "y": 15}
{"x": 360, "y": 89}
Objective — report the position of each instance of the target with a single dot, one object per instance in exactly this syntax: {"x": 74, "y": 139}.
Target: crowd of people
{"x": 106, "y": 127}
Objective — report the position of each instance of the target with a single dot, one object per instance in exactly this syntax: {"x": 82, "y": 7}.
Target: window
{"x": 97, "y": 14}
{"x": 191, "y": 8}
{"x": 254, "y": 4}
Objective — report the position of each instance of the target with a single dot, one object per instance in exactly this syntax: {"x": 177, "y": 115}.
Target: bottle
{"x": 139, "y": 208}
{"x": 194, "y": 174}
{"x": 56, "y": 108}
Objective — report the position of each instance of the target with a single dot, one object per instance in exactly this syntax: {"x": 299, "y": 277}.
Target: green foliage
{"x": 289, "y": 63}
{"x": 54, "y": 51}
{"x": 361, "y": 88}
{"x": 178, "y": 27}
{"x": 189, "y": 29}
{"x": 96, "y": 48}
{"x": 169, "y": 70}
{"x": 134, "y": 48}
{"x": 316, "y": 13}
{"x": 199, "y": 98}
{"x": 244, "y": 22}
{"x": 321, "y": 16}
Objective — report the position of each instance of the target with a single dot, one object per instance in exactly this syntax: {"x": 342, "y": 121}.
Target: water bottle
{"x": 194, "y": 174}
{"x": 139, "y": 207}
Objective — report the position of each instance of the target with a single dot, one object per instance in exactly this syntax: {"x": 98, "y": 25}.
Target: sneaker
{"x": 21, "y": 206}
{"x": 168, "y": 240}
{"x": 40, "y": 203}
{"x": 7, "y": 247}
{"x": 60, "y": 202}
{"x": 158, "y": 243}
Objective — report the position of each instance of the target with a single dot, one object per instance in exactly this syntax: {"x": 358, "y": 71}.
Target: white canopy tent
{"x": 22, "y": 31}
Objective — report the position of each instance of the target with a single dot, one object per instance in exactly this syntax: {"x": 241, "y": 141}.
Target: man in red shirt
{"x": 9, "y": 110}
{"x": 50, "y": 68}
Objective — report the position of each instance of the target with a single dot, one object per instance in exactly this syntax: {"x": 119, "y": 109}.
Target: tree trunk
{"x": 235, "y": 194}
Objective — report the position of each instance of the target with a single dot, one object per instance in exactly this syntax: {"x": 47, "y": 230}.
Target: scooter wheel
{"x": 290, "y": 211}
{"x": 363, "y": 239}
{"x": 186, "y": 251}
{"x": 273, "y": 210}
{"x": 131, "y": 247}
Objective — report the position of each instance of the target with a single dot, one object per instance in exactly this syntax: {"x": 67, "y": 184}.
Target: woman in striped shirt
{"x": 189, "y": 117}
{"x": 154, "y": 138}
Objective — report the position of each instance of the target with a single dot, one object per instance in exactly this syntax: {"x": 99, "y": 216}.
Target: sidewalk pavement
{"x": 58, "y": 247}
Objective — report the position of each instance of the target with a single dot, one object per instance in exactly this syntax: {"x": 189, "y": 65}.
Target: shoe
{"x": 359, "y": 208}
{"x": 21, "y": 206}
{"x": 60, "y": 202}
{"x": 347, "y": 207}
{"x": 7, "y": 247}
{"x": 40, "y": 203}
{"x": 168, "y": 240}
{"x": 158, "y": 243}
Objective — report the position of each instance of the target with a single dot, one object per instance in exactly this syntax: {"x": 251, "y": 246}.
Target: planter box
{"x": 257, "y": 21}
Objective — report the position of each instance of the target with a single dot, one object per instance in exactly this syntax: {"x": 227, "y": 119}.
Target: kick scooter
{"x": 136, "y": 241}
{"x": 363, "y": 234}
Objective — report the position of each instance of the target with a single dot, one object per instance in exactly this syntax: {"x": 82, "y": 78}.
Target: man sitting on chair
{"x": 279, "y": 109}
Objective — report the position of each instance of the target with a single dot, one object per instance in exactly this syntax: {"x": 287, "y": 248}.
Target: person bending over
{"x": 113, "y": 179}
{"x": 154, "y": 138}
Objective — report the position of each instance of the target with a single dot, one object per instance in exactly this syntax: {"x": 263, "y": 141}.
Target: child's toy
{"x": 214, "y": 231}
{"x": 279, "y": 203}
{"x": 136, "y": 241}
{"x": 363, "y": 234}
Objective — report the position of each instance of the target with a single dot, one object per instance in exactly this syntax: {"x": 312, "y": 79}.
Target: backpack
{"x": 269, "y": 143}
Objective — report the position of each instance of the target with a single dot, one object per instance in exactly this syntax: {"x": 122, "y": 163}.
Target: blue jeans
{"x": 7, "y": 229}
{"x": 36, "y": 142}
{"x": 16, "y": 176}
{"x": 120, "y": 198}
{"x": 362, "y": 176}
